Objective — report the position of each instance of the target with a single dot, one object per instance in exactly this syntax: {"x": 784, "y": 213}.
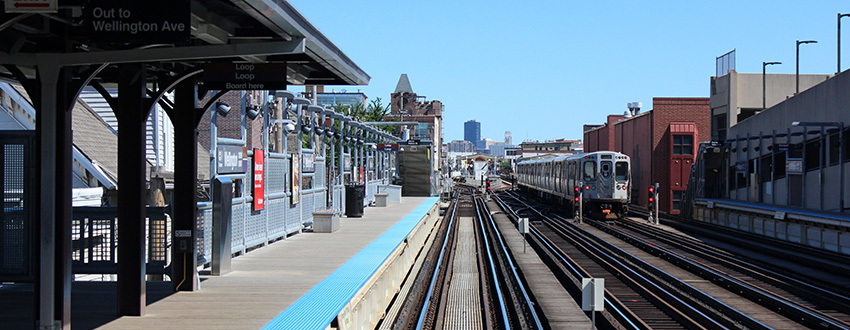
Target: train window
{"x": 606, "y": 169}
{"x": 621, "y": 169}
{"x": 589, "y": 171}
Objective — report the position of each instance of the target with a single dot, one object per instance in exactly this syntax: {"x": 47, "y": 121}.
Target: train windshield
{"x": 606, "y": 169}
{"x": 622, "y": 171}
{"x": 589, "y": 170}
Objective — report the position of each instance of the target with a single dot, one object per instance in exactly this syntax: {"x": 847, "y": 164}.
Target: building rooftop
{"x": 403, "y": 85}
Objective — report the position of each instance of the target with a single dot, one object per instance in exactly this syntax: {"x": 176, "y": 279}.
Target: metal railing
{"x": 95, "y": 245}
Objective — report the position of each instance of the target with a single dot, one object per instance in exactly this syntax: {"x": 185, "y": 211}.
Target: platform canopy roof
{"x": 250, "y": 31}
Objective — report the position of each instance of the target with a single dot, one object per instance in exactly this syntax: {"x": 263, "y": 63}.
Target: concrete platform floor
{"x": 263, "y": 283}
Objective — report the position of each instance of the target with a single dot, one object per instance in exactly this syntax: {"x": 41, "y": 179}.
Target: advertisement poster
{"x": 296, "y": 178}
{"x": 259, "y": 190}
{"x": 308, "y": 163}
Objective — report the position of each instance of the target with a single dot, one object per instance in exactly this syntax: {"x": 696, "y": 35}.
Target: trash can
{"x": 354, "y": 194}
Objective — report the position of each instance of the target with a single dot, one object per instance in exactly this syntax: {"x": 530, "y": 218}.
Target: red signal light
{"x": 576, "y": 199}
{"x": 651, "y": 189}
{"x": 577, "y": 189}
{"x": 651, "y": 199}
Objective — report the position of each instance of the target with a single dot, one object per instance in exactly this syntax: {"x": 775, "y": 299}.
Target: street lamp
{"x": 798, "y": 60}
{"x": 840, "y": 15}
{"x": 763, "y": 82}
{"x": 840, "y": 126}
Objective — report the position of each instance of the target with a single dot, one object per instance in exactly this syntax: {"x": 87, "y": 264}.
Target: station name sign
{"x": 245, "y": 76}
{"x": 137, "y": 21}
{"x": 228, "y": 159}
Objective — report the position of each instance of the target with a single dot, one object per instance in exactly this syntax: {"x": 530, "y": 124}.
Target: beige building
{"x": 737, "y": 96}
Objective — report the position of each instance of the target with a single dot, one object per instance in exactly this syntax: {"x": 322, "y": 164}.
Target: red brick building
{"x": 662, "y": 144}
{"x": 600, "y": 137}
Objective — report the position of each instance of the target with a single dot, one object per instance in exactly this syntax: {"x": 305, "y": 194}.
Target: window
{"x": 833, "y": 148}
{"x": 779, "y": 169}
{"x": 812, "y": 161}
{"x": 683, "y": 144}
{"x": 677, "y": 200}
{"x": 622, "y": 171}
{"x": 765, "y": 168}
{"x": 606, "y": 169}
{"x": 589, "y": 171}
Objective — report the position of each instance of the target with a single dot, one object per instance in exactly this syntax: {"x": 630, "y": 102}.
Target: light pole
{"x": 798, "y": 61}
{"x": 764, "y": 82}
{"x": 840, "y": 15}
{"x": 840, "y": 126}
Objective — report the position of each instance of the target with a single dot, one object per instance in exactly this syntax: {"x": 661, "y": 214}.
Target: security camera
{"x": 252, "y": 113}
{"x": 290, "y": 127}
{"x": 222, "y": 108}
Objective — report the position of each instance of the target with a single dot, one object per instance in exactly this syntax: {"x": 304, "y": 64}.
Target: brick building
{"x": 600, "y": 137}
{"x": 662, "y": 144}
{"x": 406, "y": 105}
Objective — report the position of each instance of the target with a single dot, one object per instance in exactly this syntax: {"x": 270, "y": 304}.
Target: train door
{"x": 621, "y": 175}
{"x": 605, "y": 184}
{"x": 589, "y": 172}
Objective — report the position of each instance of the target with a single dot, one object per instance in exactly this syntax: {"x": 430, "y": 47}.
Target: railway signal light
{"x": 488, "y": 184}
{"x": 651, "y": 195}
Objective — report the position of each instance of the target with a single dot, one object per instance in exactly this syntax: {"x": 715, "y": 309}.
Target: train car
{"x": 603, "y": 177}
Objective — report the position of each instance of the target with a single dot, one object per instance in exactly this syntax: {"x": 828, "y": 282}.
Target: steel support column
{"x": 53, "y": 123}
{"x": 185, "y": 120}
{"x": 132, "y": 115}
{"x": 64, "y": 274}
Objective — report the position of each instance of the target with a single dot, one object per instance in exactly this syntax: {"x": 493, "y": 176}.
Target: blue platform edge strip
{"x": 789, "y": 210}
{"x": 319, "y": 306}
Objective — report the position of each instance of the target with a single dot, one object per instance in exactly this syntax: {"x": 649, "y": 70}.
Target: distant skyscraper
{"x": 508, "y": 137}
{"x": 472, "y": 131}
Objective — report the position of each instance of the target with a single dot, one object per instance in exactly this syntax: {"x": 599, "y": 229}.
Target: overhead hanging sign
{"x": 31, "y": 6}
{"x": 245, "y": 76}
{"x": 387, "y": 147}
{"x": 149, "y": 21}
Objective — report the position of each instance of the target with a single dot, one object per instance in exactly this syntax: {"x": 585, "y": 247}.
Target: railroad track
{"x": 786, "y": 293}
{"x": 467, "y": 280}
{"x": 635, "y": 297}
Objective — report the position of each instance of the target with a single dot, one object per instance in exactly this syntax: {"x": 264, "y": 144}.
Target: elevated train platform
{"x": 818, "y": 229}
{"x": 303, "y": 282}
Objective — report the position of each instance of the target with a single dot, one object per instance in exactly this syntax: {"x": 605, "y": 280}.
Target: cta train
{"x": 602, "y": 177}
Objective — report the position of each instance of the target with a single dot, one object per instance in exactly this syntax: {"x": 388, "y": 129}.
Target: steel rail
{"x": 716, "y": 304}
{"x": 504, "y": 310}
{"x": 621, "y": 313}
{"x": 427, "y": 302}
{"x": 517, "y": 277}
{"x": 779, "y": 304}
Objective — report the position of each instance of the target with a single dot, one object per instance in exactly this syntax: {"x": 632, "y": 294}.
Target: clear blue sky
{"x": 542, "y": 69}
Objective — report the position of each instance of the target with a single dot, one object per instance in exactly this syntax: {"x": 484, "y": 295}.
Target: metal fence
{"x": 18, "y": 194}
{"x": 95, "y": 245}
{"x": 724, "y": 63}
